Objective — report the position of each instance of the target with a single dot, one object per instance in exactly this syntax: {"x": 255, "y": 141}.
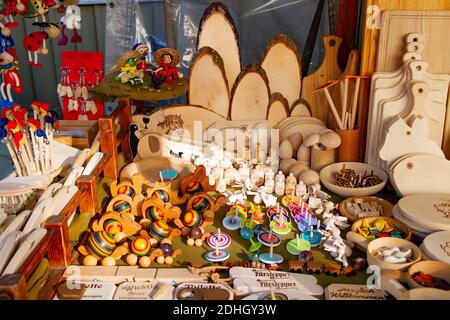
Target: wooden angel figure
{"x": 35, "y": 43}
{"x": 166, "y": 70}
{"x": 11, "y": 79}
{"x": 71, "y": 21}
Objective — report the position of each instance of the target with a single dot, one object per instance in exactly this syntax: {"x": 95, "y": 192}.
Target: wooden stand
{"x": 56, "y": 245}
{"x": 349, "y": 151}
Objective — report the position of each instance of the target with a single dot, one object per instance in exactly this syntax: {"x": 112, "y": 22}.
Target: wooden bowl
{"x": 354, "y": 238}
{"x": 391, "y": 243}
{"x": 435, "y": 268}
{"x": 326, "y": 176}
{"x": 387, "y": 206}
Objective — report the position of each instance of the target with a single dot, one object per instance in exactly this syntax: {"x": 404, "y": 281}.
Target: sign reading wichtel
{"x": 140, "y": 291}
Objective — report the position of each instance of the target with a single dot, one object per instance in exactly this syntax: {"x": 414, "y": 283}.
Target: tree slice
{"x": 278, "y": 109}
{"x": 283, "y": 67}
{"x": 218, "y": 31}
{"x": 250, "y": 95}
{"x": 208, "y": 85}
{"x": 300, "y": 108}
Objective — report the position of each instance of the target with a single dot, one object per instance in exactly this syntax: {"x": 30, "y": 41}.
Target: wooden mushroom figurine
{"x": 323, "y": 148}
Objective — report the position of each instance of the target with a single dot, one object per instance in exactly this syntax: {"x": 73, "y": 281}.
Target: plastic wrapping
{"x": 132, "y": 21}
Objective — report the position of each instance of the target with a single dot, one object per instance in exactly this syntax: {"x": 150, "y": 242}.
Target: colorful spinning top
{"x": 274, "y": 210}
{"x": 304, "y": 221}
{"x": 217, "y": 256}
{"x": 201, "y": 204}
{"x": 268, "y": 238}
{"x": 271, "y": 257}
{"x": 260, "y": 228}
{"x": 101, "y": 244}
{"x": 297, "y": 246}
{"x": 246, "y": 231}
{"x": 276, "y": 296}
{"x": 112, "y": 226}
{"x": 313, "y": 237}
{"x": 254, "y": 245}
{"x": 154, "y": 213}
{"x": 141, "y": 246}
{"x": 232, "y": 221}
{"x": 286, "y": 200}
{"x": 238, "y": 209}
{"x": 122, "y": 206}
{"x": 161, "y": 195}
{"x": 220, "y": 239}
{"x": 280, "y": 225}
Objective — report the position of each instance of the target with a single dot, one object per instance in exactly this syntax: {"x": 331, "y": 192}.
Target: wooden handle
{"x": 392, "y": 286}
{"x": 419, "y": 92}
{"x": 417, "y": 69}
{"x": 355, "y": 238}
{"x": 415, "y": 37}
{"x": 331, "y": 45}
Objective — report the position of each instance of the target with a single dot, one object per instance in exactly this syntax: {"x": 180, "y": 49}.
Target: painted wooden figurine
{"x": 101, "y": 245}
{"x": 8, "y": 9}
{"x": 127, "y": 67}
{"x": 11, "y": 79}
{"x": 196, "y": 182}
{"x": 71, "y": 21}
{"x": 34, "y": 43}
{"x": 166, "y": 71}
{"x": 144, "y": 51}
{"x": 119, "y": 225}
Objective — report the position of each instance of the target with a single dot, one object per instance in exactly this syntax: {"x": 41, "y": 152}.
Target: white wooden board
{"x": 437, "y": 246}
{"x": 338, "y": 291}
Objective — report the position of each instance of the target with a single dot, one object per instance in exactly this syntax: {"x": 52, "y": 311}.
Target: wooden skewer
{"x": 344, "y": 106}
{"x": 333, "y": 109}
{"x": 346, "y": 118}
{"x": 355, "y": 103}
{"x": 342, "y": 92}
{"x": 14, "y": 158}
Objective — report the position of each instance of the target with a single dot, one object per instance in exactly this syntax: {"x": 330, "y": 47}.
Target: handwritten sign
{"x": 95, "y": 290}
{"x": 135, "y": 291}
{"x": 352, "y": 292}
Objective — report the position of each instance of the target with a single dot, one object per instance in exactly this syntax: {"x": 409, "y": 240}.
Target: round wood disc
{"x": 280, "y": 227}
{"x": 212, "y": 256}
{"x": 266, "y": 258}
{"x": 314, "y": 240}
{"x": 267, "y": 240}
{"x": 387, "y": 206}
{"x": 430, "y": 211}
{"x": 413, "y": 226}
{"x": 295, "y": 248}
{"x": 437, "y": 246}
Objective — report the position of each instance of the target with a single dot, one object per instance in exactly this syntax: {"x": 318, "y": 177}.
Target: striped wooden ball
{"x": 141, "y": 246}
{"x": 194, "y": 187}
{"x": 201, "y": 204}
{"x": 154, "y": 213}
{"x": 192, "y": 218}
{"x": 240, "y": 209}
{"x": 159, "y": 230}
{"x": 126, "y": 190}
{"x": 122, "y": 206}
{"x": 166, "y": 249}
{"x": 101, "y": 244}
{"x": 112, "y": 226}
{"x": 161, "y": 195}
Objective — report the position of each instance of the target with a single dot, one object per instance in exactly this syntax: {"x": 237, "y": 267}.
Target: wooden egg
{"x": 132, "y": 259}
{"x": 297, "y": 169}
{"x": 286, "y": 164}
{"x": 304, "y": 153}
{"x": 168, "y": 260}
{"x": 286, "y": 150}
{"x": 330, "y": 139}
{"x": 160, "y": 260}
{"x": 108, "y": 261}
{"x": 309, "y": 177}
{"x": 141, "y": 246}
{"x": 296, "y": 141}
{"x": 90, "y": 261}
{"x": 144, "y": 262}
{"x": 101, "y": 244}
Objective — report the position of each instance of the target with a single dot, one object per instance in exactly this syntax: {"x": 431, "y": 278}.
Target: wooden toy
{"x": 127, "y": 69}
{"x": 165, "y": 69}
{"x": 250, "y": 95}
{"x": 124, "y": 204}
{"x": 270, "y": 258}
{"x": 165, "y": 253}
{"x": 333, "y": 269}
{"x": 268, "y": 239}
{"x": 278, "y": 109}
{"x": 326, "y": 177}
{"x": 247, "y": 280}
{"x": 282, "y": 64}
{"x": 280, "y": 294}
{"x": 163, "y": 192}
{"x": 119, "y": 225}
{"x": 297, "y": 246}
{"x": 362, "y": 207}
{"x": 155, "y": 210}
{"x": 203, "y": 291}
{"x": 217, "y": 255}
{"x": 71, "y": 21}
{"x": 220, "y": 239}
{"x": 101, "y": 245}
{"x": 35, "y": 42}
{"x": 197, "y": 182}
{"x": 23, "y": 251}
{"x": 207, "y": 68}
{"x": 436, "y": 246}
{"x": 205, "y": 204}
{"x": 216, "y": 20}
{"x": 129, "y": 188}
{"x": 337, "y": 291}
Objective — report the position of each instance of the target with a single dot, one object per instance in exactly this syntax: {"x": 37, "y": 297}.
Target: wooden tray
{"x": 387, "y": 206}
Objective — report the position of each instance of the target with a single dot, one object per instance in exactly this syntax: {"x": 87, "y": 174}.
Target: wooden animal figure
{"x": 120, "y": 225}
{"x": 129, "y": 188}
{"x": 162, "y": 191}
{"x": 156, "y": 210}
{"x": 205, "y": 204}
{"x": 71, "y": 21}
{"x": 125, "y": 204}
{"x": 402, "y": 139}
{"x": 197, "y": 182}
{"x": 165, "y": 253}
{"x": 101, "y": 245}
{"x": 11, "y": 79}
{"x": 35, "y": 42}
{"x": 10, "y": 8}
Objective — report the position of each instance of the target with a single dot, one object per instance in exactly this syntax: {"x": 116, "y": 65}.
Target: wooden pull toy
{"x": 156, "y": 210}
{"x": 197, "y": 182}
{"x": 162, "y": 191}
{"x": 125, "y": 204}
{"x": 102, "y": 246}
{"x": 120, "y": 225}
{"x": 165, "y": 252}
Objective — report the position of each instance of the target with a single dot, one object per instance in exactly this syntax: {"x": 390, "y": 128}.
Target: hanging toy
{"x": 37, "y": 8}
{"x": 35, "y": 43}
{"x": 7, "y": 10}
{"x": 11, "y": 79}
{"x": 71, "y": 21}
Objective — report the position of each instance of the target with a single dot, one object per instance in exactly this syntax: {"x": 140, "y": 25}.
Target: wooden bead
{"x": 108, "y": 261}
{"x": 144, "y": 262}
{"x": 169, "y": 260}
{"x": 132, "y": 259}
{"x": 90, "y": 261}
{"x": 198, "y": 242}
{"x": 190, "y": 242}
{"x": 160, "y": 260}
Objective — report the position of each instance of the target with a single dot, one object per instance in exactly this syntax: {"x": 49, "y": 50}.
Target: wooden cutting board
{"x": 329, "y": 70}
{"x": 395, "y": 25}
{"x": 437, "y": 246}
{"x": 430, "y": 210}
{"x": 208, "y": 85}
{"x": 218, "y": 31}
{"x": 420, "y": 173}
{"x": 283, "y": 67}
